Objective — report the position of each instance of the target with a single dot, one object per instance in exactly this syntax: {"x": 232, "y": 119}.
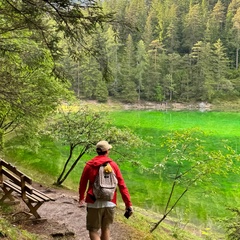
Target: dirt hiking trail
{"x": 63, "y": 219}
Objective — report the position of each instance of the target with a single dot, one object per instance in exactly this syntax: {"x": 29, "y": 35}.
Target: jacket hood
{"x": 99, "y": 160}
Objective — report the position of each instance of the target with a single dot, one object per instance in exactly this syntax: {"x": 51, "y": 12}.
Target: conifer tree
{"x": 142, "y": 65}
{"x": 220, "y": 65}
{"x": 153, "y": 90}
{"x": 193, "y": 27}
{"x": 127, "y": 86}
{"x": 201, "y": 77}
{"x": 148, "y": 31}
{"x": 136, "y": 14}
{"x": 216, "y": 21}
{"x": 236, "y": 34}
{"x": 171, "y": 40}
{"x": 112, "y": 49}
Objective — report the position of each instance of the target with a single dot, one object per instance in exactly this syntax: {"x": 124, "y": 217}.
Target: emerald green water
{"x": 200, "y": 204}
{"x": 150, "y": 191}
{"x": 222, "y": 124}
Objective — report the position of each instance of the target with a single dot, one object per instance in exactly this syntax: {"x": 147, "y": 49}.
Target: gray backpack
{"x": 105, "y": 183}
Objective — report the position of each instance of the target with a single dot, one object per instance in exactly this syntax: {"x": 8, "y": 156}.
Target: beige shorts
{"x": 99, "y": 218}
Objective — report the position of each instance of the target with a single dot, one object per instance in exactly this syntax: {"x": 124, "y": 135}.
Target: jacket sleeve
{"x": 122, "y": 187}
{"x": 83, "y": 183}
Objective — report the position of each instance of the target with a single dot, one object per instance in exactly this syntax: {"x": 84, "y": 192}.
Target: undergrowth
{"x": 142, "y": 220}
{"x": 9, "y": 231}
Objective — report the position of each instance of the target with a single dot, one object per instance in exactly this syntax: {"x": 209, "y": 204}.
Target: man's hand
{"x": 82, "y": 203}
{"x": 130, "y": 209}
{"x": 128, "y": 212}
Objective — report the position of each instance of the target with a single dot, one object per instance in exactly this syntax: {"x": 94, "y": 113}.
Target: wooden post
{"x": 23, "y": 187}
{"x": 1, "y": 175}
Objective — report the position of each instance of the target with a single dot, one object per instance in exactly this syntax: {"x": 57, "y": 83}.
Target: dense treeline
{"x": 129, "y": 50}
{"x": 33, "y": 36}
{"x": 164, "y": 51}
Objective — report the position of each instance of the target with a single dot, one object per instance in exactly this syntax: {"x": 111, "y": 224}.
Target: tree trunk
{"x": 59, "y": 180}
{"x": 63, "y": 176}
{"x": 237, "y": 50}
{"x": 1, "y": 139}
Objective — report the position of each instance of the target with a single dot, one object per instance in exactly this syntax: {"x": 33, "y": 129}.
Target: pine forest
{"x": 162, "y": 50}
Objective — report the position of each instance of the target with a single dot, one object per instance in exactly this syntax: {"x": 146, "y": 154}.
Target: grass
{"x": 142, "y": 220}
{"x": 201, "y": 205}
{"x": 10, "y": 231}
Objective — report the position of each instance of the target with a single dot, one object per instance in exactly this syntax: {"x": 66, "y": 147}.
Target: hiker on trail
{"x": 100, "y": 213}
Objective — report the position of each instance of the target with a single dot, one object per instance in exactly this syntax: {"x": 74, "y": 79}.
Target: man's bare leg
{"x": 105, "y": 235}
{"x": 94, "y": 235}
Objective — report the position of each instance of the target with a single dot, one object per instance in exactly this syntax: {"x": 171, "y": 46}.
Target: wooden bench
{"x": 12, "y": 180}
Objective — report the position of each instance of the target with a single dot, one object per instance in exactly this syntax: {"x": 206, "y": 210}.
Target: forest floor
{"x": 63, "y": 219}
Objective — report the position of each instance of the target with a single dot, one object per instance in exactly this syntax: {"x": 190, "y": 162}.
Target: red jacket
{"x": 89, "y": 174}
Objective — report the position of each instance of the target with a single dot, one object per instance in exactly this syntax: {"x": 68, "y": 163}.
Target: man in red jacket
{"x": 100, "y": 213}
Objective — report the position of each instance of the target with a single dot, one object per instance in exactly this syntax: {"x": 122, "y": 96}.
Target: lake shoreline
{"x": 164, "y": 106}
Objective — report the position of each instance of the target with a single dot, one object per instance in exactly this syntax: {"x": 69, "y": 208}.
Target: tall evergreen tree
{"x": 152, "y": 85}
{"x": 112, "y": 48}
{"x": 236, "y": 34}
{"x": 121, "y": 24}
{"x": 173, "y": 77}
{"x": 101, "y": 91}
{"x": 127, "y": 87}
{"x": 90, "y": 76}
{"x": 216, "y": 21}
{"x": 193, "y": 27}
{"x": 229, "y": 32}
{"x": 171, "y": 39}
{"x": 220, "y": 66}
{"x": 142, "y": 65}
{"x": 148, "y": 31}
{"x": 202, "y": 76}
{"x": 136, "y": 14}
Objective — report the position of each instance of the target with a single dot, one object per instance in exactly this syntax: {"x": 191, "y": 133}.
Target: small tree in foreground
{"x": 192, "y": 162}
{"x": 81, "y": 130}
{"x": 233, "y": 225}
